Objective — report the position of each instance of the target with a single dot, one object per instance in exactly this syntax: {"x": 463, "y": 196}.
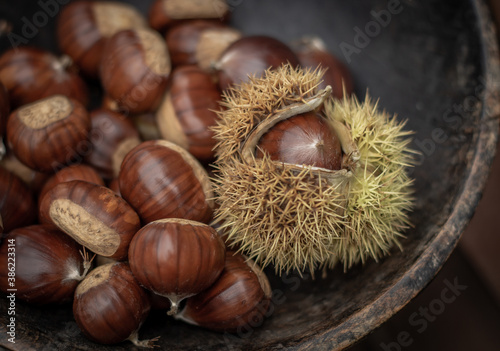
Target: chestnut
{"x": 115, "y": 186}
{"x": 304, "y": 139}
{"x": 73, "y": 172}
{"x": 84, "y": 27}
{"x": 188, "y": 111}
{"x": 252, "y": 55}
{"x": 185, "y": 40}
{"x": 164, "y": 14}
{"x": 50, "y": 133}
{"x": 33, "y": 179}
{"x": 17, "y": 206}
{"x": 239, "y": 299}
{"x": 312, "y": 52}
{"x": 176, "y": 258}
{"x": 30, "y": 74}
{"x": 146, "y": 125}
{"x": 4, "y": 114}
{"x": 134, "y": 69}
{"x": 109, "y": 305}
{"x": 48, "y": 264}
{"x": 95, "y": 216}
{"x": 159, "y": 179}
{"x": 112, "y": 136}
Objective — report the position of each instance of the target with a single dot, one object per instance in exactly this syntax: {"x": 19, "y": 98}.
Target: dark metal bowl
{"x": 434, "y": 63}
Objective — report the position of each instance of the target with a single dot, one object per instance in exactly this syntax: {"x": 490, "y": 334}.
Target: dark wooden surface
{"x": 432, "y": 57}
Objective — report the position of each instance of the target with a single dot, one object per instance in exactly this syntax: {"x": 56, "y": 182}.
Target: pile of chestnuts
{"x": 110, "y": 204}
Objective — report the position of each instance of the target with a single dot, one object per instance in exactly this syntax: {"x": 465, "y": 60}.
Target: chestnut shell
{"x": 48, "y": 264}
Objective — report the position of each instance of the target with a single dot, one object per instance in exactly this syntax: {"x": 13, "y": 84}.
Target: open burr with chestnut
{"x": 188, "y": 111}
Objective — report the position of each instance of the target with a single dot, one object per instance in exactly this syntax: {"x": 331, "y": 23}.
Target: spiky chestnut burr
{"x": 304, "y": 217}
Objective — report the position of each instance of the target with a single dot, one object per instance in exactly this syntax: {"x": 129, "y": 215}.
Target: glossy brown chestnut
{"x": 4, "y": 109}
{"x": 95, "y": 216}
{"x": 112, "y": 136}
{"x": 50, "y": 133}
{"x": 164, "y": 14}
{"x": 73, "y": 172}
{"x": 110, "y": 306}
{"x": 305, "y": 139}
{"x": 30, "y": 74}
{"x": 115, "y": 186}
{"x": 84, "y": 27}
{"x": 176, "y": 258}
{"x": 312, "y": 52}
{"x": 33, "y": 179}
{"x": 252, "y": 55}
{"x": 188, "y": 111}
{"x": 134, "y": 69}
{"x": 17, "y": 206}
{"x": 162, "y": 180}
{"x": 238, "y": 300}
{"x": 199, "y": 41}
{"x": 48, "y": 264}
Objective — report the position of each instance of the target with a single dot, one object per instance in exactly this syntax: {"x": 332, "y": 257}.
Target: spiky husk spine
{"x": 298, "y": 218}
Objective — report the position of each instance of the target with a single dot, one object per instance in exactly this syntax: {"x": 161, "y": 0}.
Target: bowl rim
{"x": 426, "y": 267}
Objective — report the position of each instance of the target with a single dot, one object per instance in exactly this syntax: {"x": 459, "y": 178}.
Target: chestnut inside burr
{"x": 305, "y": 139}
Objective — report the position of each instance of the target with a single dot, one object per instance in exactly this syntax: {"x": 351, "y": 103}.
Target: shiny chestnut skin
{"x": 183, "y": 39}
{"x": 112, "y": 136}
{"x": 35, "y": 180}
{"x": 17, "y": 206}
{"x": 50, "y": 133}
{"x": 188, "y": 111}
{"x": 162, "y": 180}
{"x": 4, "y": 109}
{"x": 109, "y": 305}
{"x": 84, "y": 27}
{"x": 164, "y": 14}
{"x": 134, "y": 70}
{"x": 94, "y": 216}
{"x": 176, "y": 258}
{"x": 30, "y": 74}
{"x": 239, "y": 299}
{"x": 304, "y": 139}
{"x": 312, "y": 52}
{"x": 252, "y": 55}
{"x": 72, "y": 172}
{"x": 48, "y": 264}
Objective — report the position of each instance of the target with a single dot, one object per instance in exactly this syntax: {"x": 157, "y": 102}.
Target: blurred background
{"x": 460, "y": 309}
